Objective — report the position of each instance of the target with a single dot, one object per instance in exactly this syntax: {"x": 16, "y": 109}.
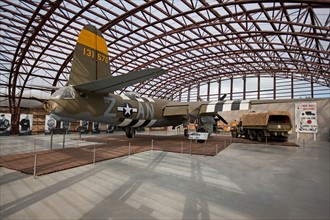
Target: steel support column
{"x": 292, "y": 89}
{"x": 312, "y": 87}
{"x": 274, "y": 86}
{"x": 219, "y": 89}
{"x": 258, "y": 92}
{"x": 208, "y": 90}
{"x": 198, "y": 91}
{"x": 188, "y": 98}
{"x": 231, "y": 87}
{"x": 244, "y": 87}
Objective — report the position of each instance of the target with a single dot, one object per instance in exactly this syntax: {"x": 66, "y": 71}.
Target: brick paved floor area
{"x": 110, "y": 147}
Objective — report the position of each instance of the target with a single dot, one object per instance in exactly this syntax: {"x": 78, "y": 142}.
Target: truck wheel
{"x": 260, "y": 136}
{"x": 283, "y": 139}
{"x": 253, "y": 135}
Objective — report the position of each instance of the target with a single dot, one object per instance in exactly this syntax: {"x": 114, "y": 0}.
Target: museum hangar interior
{"x": 275, "y": 54}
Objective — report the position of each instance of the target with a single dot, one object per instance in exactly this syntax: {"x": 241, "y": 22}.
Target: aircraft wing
{"x": 113, "y": 83}
{"x": 204, "y": 108}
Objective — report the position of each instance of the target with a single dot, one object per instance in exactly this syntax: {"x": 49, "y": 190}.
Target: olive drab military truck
{"x": 259, "y": 125}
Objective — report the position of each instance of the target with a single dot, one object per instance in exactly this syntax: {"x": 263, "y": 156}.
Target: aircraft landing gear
{"x": 186, "y": 132}
{"x": 130, "y": 132}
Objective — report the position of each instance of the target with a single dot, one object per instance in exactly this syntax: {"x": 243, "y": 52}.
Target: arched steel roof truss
{"x": 196, "y": 41}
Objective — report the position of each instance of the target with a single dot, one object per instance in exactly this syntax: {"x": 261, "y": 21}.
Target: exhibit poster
{"x": 50, "y": 123}
{"x": 96, "y": 128}
{"x": 84, "y": 126}
{"x": 306, "y": 117}
{"x": 25, "y": 124}
{"x": 66, "y": 126}
{"x": 5, "y": 125}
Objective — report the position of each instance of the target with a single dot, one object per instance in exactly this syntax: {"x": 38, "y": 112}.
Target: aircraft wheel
{"x": 185, "y": 132}
{"x": 130, "y": 132}
{"x": 253, "y": 135}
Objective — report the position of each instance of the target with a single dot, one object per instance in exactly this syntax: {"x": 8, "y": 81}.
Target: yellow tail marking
{"x": 93, "y": 41}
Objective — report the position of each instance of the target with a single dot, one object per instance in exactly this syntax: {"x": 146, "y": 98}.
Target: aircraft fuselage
{"x": 120, "y": 110}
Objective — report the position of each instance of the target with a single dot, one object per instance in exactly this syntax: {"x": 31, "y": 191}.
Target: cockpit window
{"x": 64, "y": 93}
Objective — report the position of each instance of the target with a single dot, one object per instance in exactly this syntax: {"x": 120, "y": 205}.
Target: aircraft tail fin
{"x": 90, "y": 58}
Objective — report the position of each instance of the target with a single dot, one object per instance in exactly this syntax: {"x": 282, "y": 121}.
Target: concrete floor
{"x": 242, "y": 182}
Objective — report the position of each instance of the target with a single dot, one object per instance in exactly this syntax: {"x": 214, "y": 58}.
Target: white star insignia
{"x": 128, "y": 110}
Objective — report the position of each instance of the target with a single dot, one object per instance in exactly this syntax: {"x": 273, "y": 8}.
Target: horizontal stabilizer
{"x": 230, "y": 105}
{"x": 113, "y": 83}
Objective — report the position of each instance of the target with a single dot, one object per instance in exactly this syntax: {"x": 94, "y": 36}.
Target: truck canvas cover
{"x": 262, "y": 118}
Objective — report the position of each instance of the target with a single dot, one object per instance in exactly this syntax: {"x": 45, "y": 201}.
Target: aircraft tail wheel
{"x": 185, "y": 132}
{"x": 130, "y": 132}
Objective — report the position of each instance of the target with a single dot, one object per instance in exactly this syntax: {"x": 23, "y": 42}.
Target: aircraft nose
{"x": 50, "y": 106}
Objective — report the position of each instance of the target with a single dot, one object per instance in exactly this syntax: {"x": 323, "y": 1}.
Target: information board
{"x": 198, "y": 136}
{"x": 5, "y": 121}
{"x": 306, "y": 117}
{"x": 25, "y": 124}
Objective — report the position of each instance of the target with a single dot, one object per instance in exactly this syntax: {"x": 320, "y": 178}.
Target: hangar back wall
{"x": 323, "y": 115}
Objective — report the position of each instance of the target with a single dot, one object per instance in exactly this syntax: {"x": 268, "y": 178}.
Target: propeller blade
{"x": 222, "y": 119}
{"x": 199, "y": 99}
{"x": 223, "y": 97}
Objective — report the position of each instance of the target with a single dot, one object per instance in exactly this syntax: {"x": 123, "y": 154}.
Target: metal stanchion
{"x": 35, "y": 166}
{"x": 35, "y": 160}
{"x": 129, "y": 149}
{"x": 152, "y": 149}
{"x": 216, "y": 149}
{"x": 190, "y": 147}
{"x": 304, "y": 144}
{"x": 266, "y": 141}
{"x": 94, "y": 155}
{"x": 181, "y": 148}
{"x": 63, "y": 140}
{"x": 51, "y": 140}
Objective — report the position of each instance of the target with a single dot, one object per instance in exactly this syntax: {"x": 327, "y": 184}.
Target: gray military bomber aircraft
{"x": 89, "y": 95}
